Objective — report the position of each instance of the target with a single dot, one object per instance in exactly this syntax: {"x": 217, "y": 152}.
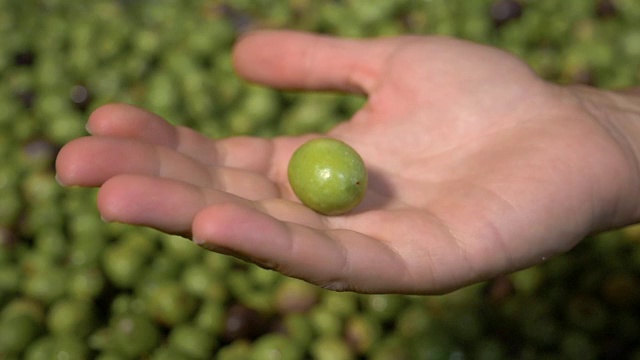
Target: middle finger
{"x": 90, "y": 161}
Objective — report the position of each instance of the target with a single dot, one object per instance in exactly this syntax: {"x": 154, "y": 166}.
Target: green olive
{"x": 47, "y": 284}
{"x": 134, "y": 335}
{"x": 71, "y": 317}
{"x": 328, "y": 176}
{"x": 274, "y": 346}
{"x": 210, "y": 316}
{"x": 383, "y": 307}
{"x": 57, "y": 347}
{"x": 192, "y": 340}
{"x": 123, "y": 266}
{"x": 16, "y": 333}
{"x": 361, "y": 332}
{"x": 331, "y": 347}
{"x": 237, "y": 350}
{"x": 170, "y": 303}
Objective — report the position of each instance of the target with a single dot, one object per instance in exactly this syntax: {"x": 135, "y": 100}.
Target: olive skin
{"x": 328, "y": 176}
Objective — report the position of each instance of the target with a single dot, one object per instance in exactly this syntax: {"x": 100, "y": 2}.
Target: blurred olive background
{"x": 73, "y": 287}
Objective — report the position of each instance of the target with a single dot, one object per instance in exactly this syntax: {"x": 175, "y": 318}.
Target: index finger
{"x": 128, "y": 121}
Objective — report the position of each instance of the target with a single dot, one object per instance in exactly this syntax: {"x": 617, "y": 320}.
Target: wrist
{"x": 618, "y": 113}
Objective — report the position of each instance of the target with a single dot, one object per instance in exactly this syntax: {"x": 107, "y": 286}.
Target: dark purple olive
{"x": 26, "y": 97}
{"x": 606, "y": 9}
{"x": 40, "y": 152}
{"x": 24, "y": 58}
{"x": 621, "y": 289}
{"x": 584, "y": 77}
{"x": 499, "y": 289}
{"x": 587, "y": 313}
{"x": 503, "y": 11}
{"x": 8, "y": 239}
{"x": 242, "y": 322}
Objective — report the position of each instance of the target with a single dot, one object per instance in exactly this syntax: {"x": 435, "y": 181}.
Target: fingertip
{"x": 250, "y": 49}
{"x": 68, "y": 163}
{"x": 99, "y": 118}
{"x": 124, "y": 120}
{"x": 109, "y": 200}
{"x": 125, "y": 198}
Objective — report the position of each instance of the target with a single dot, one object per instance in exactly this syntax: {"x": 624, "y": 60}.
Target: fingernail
{"x": 86, "y": 127}
{"x": 197, "y": 241}
{"x": 60, "y": 182}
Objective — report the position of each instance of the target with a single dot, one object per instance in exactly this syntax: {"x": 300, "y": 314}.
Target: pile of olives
{"x": 74, "y": 287}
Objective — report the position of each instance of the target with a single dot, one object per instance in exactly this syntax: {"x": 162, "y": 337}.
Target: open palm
{"x": 477, "y": 167}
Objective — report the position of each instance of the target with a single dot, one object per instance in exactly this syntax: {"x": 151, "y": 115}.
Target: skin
{"x": 478, "y": 167}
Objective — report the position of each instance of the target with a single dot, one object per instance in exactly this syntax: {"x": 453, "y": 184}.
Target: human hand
{"x": 477, "y": 167}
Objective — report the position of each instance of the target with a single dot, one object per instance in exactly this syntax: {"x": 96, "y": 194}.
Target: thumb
{"x": 297, "y": 60}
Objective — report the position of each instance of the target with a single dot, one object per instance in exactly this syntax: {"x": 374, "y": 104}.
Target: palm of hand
{"x": 475, "y": 164}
